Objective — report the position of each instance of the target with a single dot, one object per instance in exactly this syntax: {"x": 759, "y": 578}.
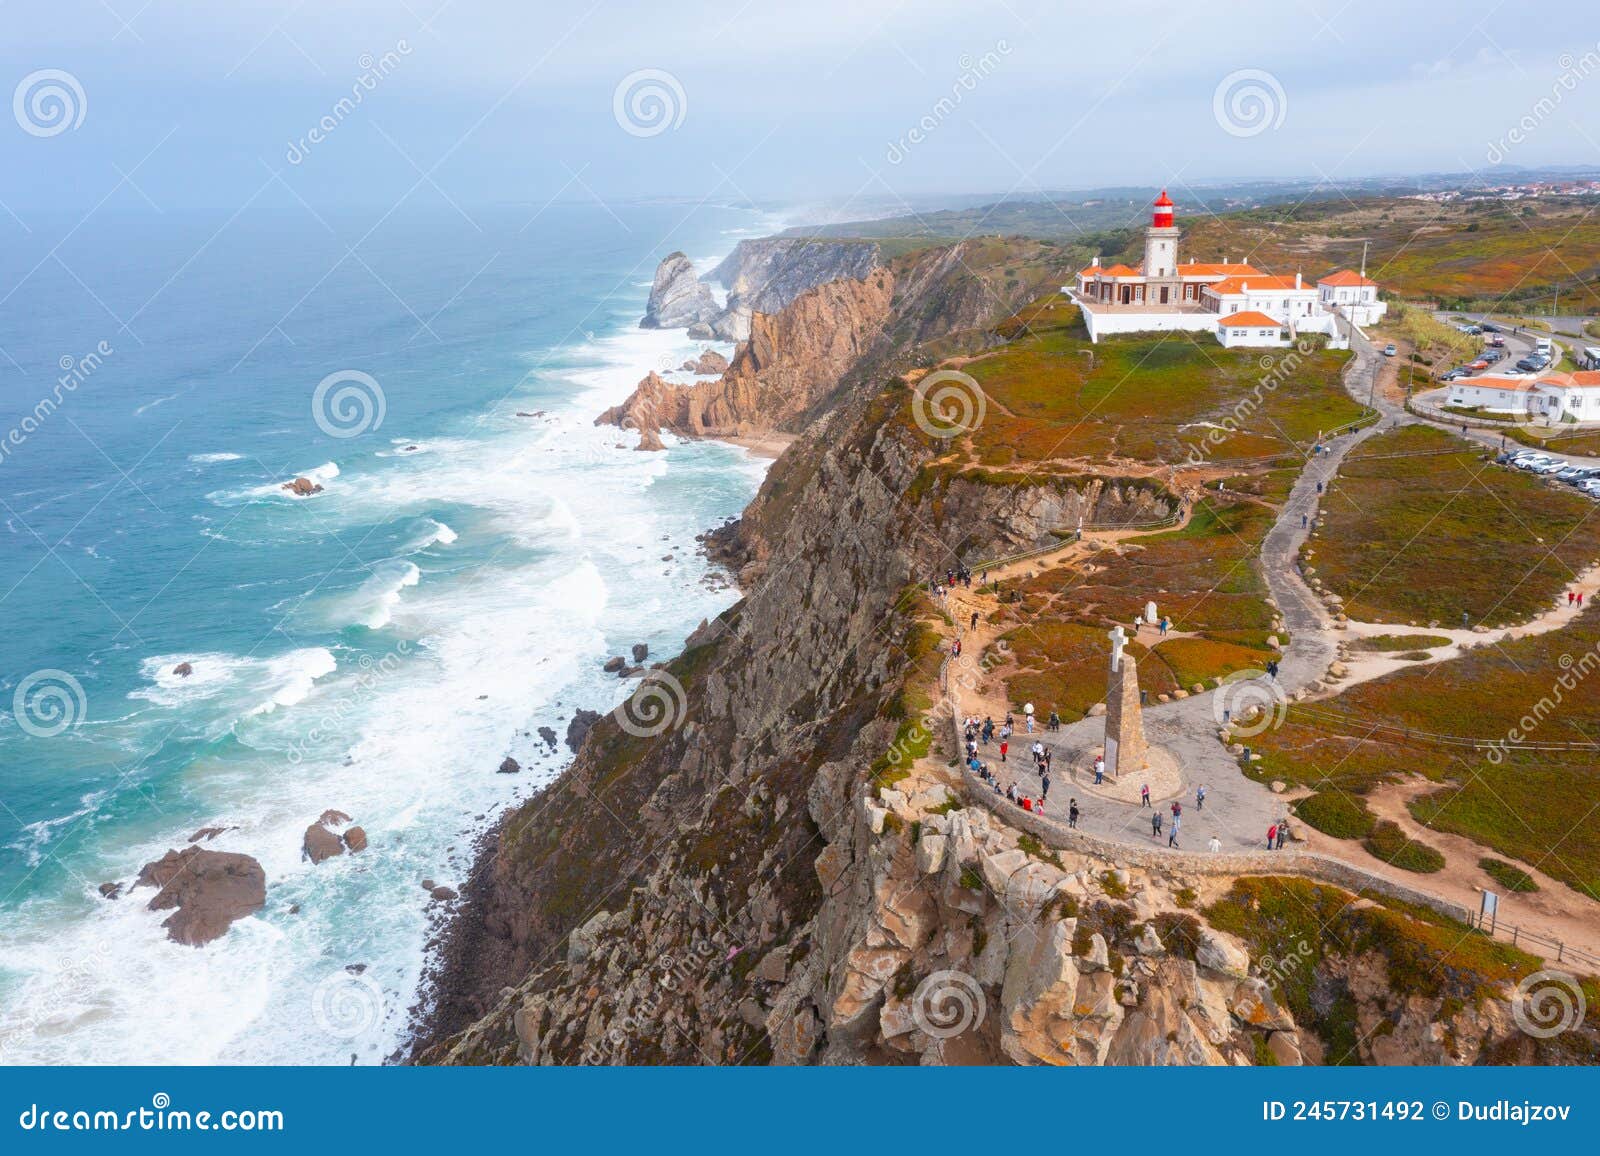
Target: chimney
{"x": 1096, "y": 261}
{"x": 1297, "y": 279}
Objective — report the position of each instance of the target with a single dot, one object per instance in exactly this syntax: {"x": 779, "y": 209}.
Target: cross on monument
{"x": 1119, "y": 639}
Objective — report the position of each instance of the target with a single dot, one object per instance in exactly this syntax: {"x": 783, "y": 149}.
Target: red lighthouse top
{"x": 1162, "y": 217}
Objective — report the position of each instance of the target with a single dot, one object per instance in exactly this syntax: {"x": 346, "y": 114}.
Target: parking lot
{"x": 1583, "y": 478}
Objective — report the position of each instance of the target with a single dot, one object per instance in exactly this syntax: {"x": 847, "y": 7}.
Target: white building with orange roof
{"x": 1352, "y": 294}
{"x": 1551, "y": 397}
{"x": 1235, "y": 302}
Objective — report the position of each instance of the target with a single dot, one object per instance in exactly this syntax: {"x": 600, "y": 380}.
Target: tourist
{"x": 974, "y": 625}
{"x": 1054, "y": 722}
{"x": 1072, "y": 813}
{"x": 1155, "y": 825}
{"x": 1044, "y": 785}
{"x": 1099, "y": 769}
{"x": 1177, "y": 808}
{"x": 1272, "y": 834}
{"x": 1200, "y": 797}
{"x": 1319, "y": 487}
{"x": 1215, "y": 845}
{"x": 1283, "y": 833}
{"x": 1571, "y": 598}
{"x": 1304, "y": 519}
{"x": 988, "y": 730}
{"x": 1011, "y": 793}
{"x": 1004, "y": 746}
{"x": 1166, "y": 625}
{"x": 1144, "y": 797}
{"x": 1172, "y": 835}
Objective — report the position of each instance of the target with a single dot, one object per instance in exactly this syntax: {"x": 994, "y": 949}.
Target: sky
{"x": 152, "y": 105}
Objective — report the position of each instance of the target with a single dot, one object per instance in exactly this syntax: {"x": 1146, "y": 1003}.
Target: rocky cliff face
{"x": 678, "y": 298}
{"x": 793, "y": 359}
{"x": 765, "y": 275}
{"x": 727, "y": 875}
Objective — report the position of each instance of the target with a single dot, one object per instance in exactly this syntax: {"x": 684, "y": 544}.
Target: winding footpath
{"x": 1238, "y": 811}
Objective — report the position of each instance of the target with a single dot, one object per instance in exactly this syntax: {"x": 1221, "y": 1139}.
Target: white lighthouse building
{"x": 1235, "y": 302}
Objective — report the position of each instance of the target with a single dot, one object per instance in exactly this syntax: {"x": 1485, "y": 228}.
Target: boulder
{"x": 1097, "y": 710}
{"x": 548, "y": 734}
{"x": 332, "y": 818}
{"x": 183, "y": 670}
{"x": 206, "y": 834}
{"x": 110, "y": 890}
{"x": 209, "y": 889}
{"x": 1148, "y": 942}
{"x": 1218, "y": 951}
{"x": 678, "y": 298}
{"x": 582, "y": 720}
{"x": 443, "y": 894}
{"x": 614, "y": 664}
{"x": 707, "y": 364}
{"x": 641, "y": 650}
{"x": 509, "y": 766}
{"x": 302, "y": 487}
{"x": 356, "y": 839}
{"x": 320, "y": 843}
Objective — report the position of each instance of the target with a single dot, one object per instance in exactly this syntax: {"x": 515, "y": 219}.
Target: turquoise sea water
{"x": 377, "y": 648}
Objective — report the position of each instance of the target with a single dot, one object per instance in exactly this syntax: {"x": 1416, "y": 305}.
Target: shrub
{"x": 1336, "y": 813}
{"x": 1389, "y": 843}
{"x": 1509, "y": 877}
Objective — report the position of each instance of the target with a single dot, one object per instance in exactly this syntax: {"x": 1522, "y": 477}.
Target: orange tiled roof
{"x": 1345, "y": 277}
{"x": 1583, "y": 379}
{"x": 1508, "y": 384}
{"x": 1251, "y": 319}
{"x": 1256, "y": 283}
{"x": 1121, "y": 271}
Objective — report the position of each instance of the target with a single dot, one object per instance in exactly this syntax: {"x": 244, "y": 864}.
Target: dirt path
{"x": 1554, "y": 910}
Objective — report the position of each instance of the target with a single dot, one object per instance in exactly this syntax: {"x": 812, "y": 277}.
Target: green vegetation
{"x": 1510, "y": 877}
{"x": 1586, "y": 444}
{"x": 1521, "y": 803}
{"x": 1052, "y": 396}
{"x": 1301, "y": 925}
{"x": 1037, "y": 850}
{"x": 1336, "y": 813}
{"x": 1389, "y": 843}
{"x": 1417, "y": 528}
{"x": 1113, "y": 885}
{"x": 1390, "y": 642}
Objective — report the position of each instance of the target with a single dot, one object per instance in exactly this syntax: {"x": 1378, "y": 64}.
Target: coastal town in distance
{"x": 1011, "y": 537}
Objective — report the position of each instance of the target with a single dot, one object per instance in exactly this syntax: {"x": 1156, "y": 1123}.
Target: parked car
{"x": 1492, "y": 357}
{"x": 1571, "y": 474}
{"x": 1475, "y": 366}
{"x": 1592, "y": 487}
{"x": 1580, "y": 475}
{"x": 1526, "y": 365}
{"x": 1455, "y": 374}
{"x": 1390, "y": 350}
{"x": 1550, "y": 468}
{"x": 1531, "y": 461}
{"x": 1497, "y": 341}
{"x": 1488, "y": 327}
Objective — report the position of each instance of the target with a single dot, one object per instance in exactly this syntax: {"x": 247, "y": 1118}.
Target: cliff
{"x": 763, "y": 856}
{"x": 677, "y": 297}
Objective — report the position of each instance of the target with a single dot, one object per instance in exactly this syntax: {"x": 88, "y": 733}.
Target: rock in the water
{"x": 209, "y": 889}
{"x": 678, "y": 298}
{"x": 303, "y": 487}
{"x": 614, "y": 663}
{"x": 206, "y": 834}
{"x": 443, "y": 893}
{"x": 650, "y": 441}
{"x": 183, "y": 670}
{"x": 582, "y": 720}
{"x": 548, "y": 734}
{"x": 641, "y": 651}
{"x": 355, "y": 839}
{"x": 110, "y": 890}
{"x": 320, "y": 843}
{"x": 510, "y": 766}
{"x": 332, "y": 818}
{"x": 708, "y": 363}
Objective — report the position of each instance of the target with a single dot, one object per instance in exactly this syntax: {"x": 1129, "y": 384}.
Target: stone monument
{"x": 1126, "y": 749}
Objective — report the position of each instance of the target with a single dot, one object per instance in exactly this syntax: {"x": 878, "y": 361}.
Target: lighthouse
{"x": 1161, "y": 253}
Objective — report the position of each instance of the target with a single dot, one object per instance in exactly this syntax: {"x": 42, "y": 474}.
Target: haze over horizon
{"x": 181, "y": 105}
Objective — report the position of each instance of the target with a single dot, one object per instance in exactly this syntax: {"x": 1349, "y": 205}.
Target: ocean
{"x": 477, "y": 551}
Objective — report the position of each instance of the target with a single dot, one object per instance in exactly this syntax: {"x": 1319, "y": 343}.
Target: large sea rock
{"x": 210, "y": 889}
{"x": 678, "y": 298}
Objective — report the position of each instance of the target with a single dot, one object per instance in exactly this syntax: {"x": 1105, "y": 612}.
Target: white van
{"x": 1542, "y": 345}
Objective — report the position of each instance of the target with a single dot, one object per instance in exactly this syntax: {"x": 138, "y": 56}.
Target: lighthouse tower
{"x": 1161, "y": 254}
